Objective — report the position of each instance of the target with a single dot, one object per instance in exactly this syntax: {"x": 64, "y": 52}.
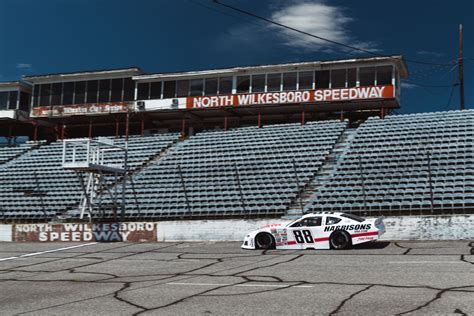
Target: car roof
{"x": 322, "y": 213}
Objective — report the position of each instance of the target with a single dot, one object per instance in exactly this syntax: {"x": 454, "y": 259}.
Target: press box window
{"x": 12, "y": 100}
{"x": 104, "y": 90}
{"x": 56, "y": 90}
{"x": 273, "y": 82}
{"x": 321, "y": 79}
{"x": 79, "y": 92}
{"x": 225, "y": 85}
{"x": 338, "y": 78}
{"x": 258, "y": 83}
{"x": 3, "y": 100}
{"x": 143, "y": 91}
{"x": 45, "y": 92}
{"x": 68, "y": 93}
{"x": 243, "y": 84}
{"x": 128, "y": 89}
{"x": 169, "y": 89}
{"x": 182, "y": 88}
{"x": 92, "y": 88}
{"x": 36, "y": 95}
{"x": 116, "y": 93}
{"x": 196, "y": 87}
{"x": 366, "y": 76}
{"x": 210, "y": 86}
{"x": 155, "y": 90}
{"x": 305, "y": 80}
{"x": 384, "y": 75}
{"x": 351, "y": 77}
{"x": 24, "y": 101}
{"x": 289, "y": 81}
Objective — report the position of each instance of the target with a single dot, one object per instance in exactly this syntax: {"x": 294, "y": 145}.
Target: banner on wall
{"x": 288, "y": 97}
{"x": 82, "y": 109}
{"x": 103, "y": 232}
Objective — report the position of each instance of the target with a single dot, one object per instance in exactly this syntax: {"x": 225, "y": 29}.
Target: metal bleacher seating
{"x": 35, "y": 185}
{"x": 10, "y": 152}
{"x": 416, "y": 163}
{"x": 243, "y": 171}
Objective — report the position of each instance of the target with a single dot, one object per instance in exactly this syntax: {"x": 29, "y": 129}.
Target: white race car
{"x": 321, "y": 230}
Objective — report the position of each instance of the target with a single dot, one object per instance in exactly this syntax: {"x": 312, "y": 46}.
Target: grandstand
{"x": 259, "y": 141}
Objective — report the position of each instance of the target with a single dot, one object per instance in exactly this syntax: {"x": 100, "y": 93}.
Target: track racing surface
{"x": 404, "y": 278}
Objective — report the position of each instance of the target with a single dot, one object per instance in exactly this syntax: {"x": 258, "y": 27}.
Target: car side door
{"x": 306, "y": 231}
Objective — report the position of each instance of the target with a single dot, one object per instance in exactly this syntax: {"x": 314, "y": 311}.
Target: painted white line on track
{"x": 240, "y": 285}
{"x": 46, "y": 251}
{"x": 423, "y": 262}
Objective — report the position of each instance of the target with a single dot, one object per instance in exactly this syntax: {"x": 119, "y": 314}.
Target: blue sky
{"x": 50, "y": 36}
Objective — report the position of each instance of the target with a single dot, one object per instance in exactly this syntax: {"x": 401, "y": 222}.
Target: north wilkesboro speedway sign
{"x": 288, "y": 97}
{"x": 135, "y": 232}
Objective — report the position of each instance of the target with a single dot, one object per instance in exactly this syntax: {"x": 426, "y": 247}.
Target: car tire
{"x": 264, "y": 241}
{"x": 340, "y": 240}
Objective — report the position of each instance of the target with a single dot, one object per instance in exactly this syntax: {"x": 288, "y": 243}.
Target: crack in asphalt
{"x": 338, "y": 308}
{"x": 247, "y": 276}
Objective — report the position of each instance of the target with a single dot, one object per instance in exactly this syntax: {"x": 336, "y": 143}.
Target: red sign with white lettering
{"x": 288, "y": 97}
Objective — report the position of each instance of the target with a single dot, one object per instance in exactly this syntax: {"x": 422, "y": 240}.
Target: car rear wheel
{"x": 264, "y": 241}
{"x": 340, "y": 240}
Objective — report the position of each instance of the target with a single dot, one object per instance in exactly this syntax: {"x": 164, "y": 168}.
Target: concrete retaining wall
{"x": 455, "y": 227}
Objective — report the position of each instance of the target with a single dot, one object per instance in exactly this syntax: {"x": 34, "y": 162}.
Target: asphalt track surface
{"x": 397, "y": 278}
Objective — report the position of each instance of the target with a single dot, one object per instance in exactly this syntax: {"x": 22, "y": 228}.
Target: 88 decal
{"x": 303, "y": 236}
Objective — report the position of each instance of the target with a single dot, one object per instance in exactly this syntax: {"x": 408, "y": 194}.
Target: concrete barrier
{"x": 454, "y": 227}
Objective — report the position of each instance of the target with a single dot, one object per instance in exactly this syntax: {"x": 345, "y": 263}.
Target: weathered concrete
{"x": 455, "y": 227}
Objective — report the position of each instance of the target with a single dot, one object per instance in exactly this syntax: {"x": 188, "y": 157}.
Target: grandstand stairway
{"x": 324, "y": 173}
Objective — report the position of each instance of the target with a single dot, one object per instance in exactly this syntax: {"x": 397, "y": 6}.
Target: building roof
{"x": 14, "y": 85}
{"x": 85, "y": 75}
{"x": 397, "y": 59}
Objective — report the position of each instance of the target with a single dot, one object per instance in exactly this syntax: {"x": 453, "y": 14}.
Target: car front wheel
{"x": 264, "y": 241}
{"x": 340, "y": 240}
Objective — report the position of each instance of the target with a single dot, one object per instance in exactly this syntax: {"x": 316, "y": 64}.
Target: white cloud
{"x": 430, "y": 53}
{"x": 23, "y": 66}
{"x": 407, "y": 85}
{"x": 318, "y": 18}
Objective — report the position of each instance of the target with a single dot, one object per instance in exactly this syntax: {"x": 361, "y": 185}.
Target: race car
{"x": 320, "y": 230}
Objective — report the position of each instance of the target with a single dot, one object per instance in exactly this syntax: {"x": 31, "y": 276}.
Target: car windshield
{"x": 353, "y": 217}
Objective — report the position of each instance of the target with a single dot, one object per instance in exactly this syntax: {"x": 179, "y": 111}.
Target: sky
{"x": 54, "y": 36}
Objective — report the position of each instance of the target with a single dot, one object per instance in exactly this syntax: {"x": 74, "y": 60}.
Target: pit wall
{"x": 455, "y": 227}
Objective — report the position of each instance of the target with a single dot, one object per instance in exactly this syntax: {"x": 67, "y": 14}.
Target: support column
{"x": 226, "y": 123}
{"x": 90, "y": 129}
{"x": 9, "y": 137}
{"x": 127, "y": 125}
{"x": 35, "y": 133}
{"x": 183, "y": 127}
{"x": 382, "y": 113}
{"x": 342, "y": 116}
{"x": 117, "y": 124}
{"x": 142, "y": 125}
{"x": 303, "y": 118}
{"x": 259, "y": 122}
{"x": 63, "y": 130}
